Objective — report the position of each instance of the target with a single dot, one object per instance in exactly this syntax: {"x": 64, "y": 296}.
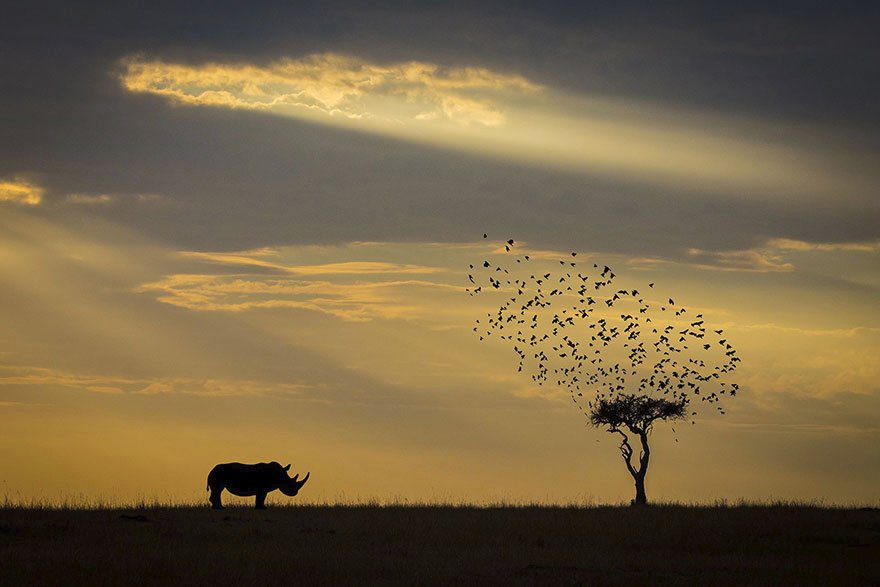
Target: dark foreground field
{"x": 666, "y": 545}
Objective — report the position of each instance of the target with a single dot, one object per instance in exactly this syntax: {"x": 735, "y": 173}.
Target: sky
{"x": 245, "y": 233}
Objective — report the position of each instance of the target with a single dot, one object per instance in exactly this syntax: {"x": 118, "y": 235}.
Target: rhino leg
{"x": 260, "y": 502}
{"x": 216, "y": 503}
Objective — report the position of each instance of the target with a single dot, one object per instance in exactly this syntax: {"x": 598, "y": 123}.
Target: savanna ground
{"x": 441, "y": 545}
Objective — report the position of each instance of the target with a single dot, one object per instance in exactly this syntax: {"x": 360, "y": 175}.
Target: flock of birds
{"x": 597, "y": 339}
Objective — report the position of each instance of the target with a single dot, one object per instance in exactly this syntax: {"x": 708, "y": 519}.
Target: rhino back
{"x": 262, "y": 475}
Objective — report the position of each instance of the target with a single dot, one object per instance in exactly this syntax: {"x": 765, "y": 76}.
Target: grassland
{"x": 412, "y": 545}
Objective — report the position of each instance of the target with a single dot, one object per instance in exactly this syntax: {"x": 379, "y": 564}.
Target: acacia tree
{"x": 636, "y": 414}
{"x": 626, "y": 358}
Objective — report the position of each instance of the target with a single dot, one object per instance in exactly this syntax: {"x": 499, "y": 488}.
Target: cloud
{"x": 761, "y": 261}
{"x": 833, "y": 332}
{"x": 10, "y": 404}
{"x": 103, "y": 383}
{"x": 770, "y": 256}
{"x": 332, "y": 85}
{"x": 152, "y": 198}
{"x": 223, "y": 387}
{"x": 799, "y": 245}
{"x": 360, "y": 301}
{"x": 355, "y": 287}
{"x": 358, "y": 288}
{"x": 89, "y": 199}
{"x": 510, "y": 117}
{"x": 26, "y": 375}
{"x": 21, "y": 191}
{"x": 255, "y": 259}
{"x": 29, "y": 193}
{"x": 104, "y": 199}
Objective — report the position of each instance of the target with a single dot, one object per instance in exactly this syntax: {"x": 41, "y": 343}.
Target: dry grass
{"x": 155, "y": 544}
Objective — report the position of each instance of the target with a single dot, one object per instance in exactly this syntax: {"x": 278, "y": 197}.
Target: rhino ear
{"x": 287, "y": 468}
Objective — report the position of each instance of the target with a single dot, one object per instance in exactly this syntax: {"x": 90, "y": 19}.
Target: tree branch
{"x": 626, "y": 451}
{"x": 645, "y": 454}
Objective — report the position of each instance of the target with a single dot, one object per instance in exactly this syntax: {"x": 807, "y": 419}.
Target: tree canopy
{"x": 636, "y": 412}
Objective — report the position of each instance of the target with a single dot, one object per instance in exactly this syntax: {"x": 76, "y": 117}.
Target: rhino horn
{"x": 294, "y": 485}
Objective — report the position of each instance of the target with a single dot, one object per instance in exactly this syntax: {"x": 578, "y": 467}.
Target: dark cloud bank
{"x": 234, "y": 180}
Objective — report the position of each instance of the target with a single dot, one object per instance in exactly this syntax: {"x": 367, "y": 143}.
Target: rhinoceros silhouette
{"x": 258, "y": 480}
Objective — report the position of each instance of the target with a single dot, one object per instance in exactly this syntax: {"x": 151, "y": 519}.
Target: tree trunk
{"x": 641, "y": 496}
{"x": 639, "y": 476}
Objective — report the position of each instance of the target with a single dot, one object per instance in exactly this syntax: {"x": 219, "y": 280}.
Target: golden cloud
{"x": 505, "y": 115}
{"x": 332, "y": 85}
{"x": 21, "y": 191}
{"x": 360, "y": 301}
{"x": 295, "y": 277}
{"x": 255, "y": 259}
